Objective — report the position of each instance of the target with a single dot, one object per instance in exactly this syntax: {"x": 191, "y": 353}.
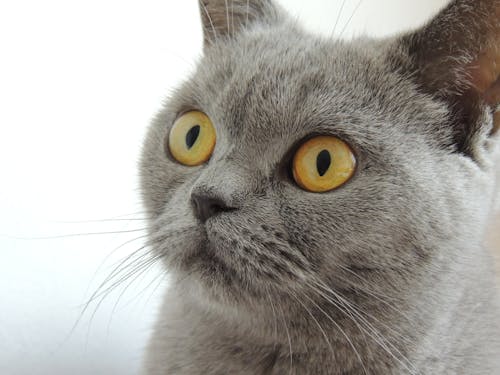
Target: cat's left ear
{"x": 456, "y": 57}
{"x": 226, "y": 18}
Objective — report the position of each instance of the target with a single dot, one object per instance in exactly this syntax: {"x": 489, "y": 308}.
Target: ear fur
{"x": 456, "y": 57}
{"x": 225, "y": 18}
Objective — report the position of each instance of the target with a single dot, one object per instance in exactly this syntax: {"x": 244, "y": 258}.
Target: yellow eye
{"x": 192, "y": 138}
{"x": 323, "y": 163}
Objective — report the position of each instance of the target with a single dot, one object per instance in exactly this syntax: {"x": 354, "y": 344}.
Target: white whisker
{"x": 338, "y": 17}
{"x": 288, "y": 336}
{"x": 373, "y": 332}
{"x": 227, "y": 17}
{"x": 315, "y": 321}
{"x": 274, "y": 316}
{"x": 341, "y": 331}
{"x": 350, "y": 18}
{"x": 209, "y": 20}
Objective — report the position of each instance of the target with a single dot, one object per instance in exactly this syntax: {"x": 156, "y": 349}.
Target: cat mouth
{"x": 210, "y": 249}
{"x": 217, "y": 276}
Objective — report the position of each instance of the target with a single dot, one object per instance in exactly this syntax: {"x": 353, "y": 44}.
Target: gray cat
{"x": 320, "y": 205}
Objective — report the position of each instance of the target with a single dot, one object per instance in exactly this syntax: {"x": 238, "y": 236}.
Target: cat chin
{"x": 210, "y": 285}
{"x": 214, "y": 274}
{"x": 213, "y": 280}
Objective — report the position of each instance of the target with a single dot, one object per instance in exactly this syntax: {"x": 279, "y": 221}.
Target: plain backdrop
{"x": 79, "y": 82}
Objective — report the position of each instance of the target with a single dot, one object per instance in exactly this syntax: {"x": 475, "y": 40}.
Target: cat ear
{"x": 456, "y": 57}
{"x": 225, "y": 18}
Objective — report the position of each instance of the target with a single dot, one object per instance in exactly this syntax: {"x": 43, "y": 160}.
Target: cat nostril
{"x": 206, "y": 206}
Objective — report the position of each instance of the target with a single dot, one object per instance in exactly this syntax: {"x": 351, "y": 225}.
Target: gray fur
{"x": 385, "y": 275}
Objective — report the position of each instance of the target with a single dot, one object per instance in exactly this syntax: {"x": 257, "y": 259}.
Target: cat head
{"x": 415, "y": 114}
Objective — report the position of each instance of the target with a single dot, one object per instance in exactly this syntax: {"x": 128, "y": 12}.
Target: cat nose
{"x": 206, "y": 205}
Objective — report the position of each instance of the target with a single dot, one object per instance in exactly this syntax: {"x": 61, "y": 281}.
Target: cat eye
{"x": 192, "y": 138}
{"x": 323, "y": 163}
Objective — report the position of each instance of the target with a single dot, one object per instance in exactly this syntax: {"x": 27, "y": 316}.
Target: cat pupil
{"x": 323, "y": 162}
{"x": 192, "y": 136}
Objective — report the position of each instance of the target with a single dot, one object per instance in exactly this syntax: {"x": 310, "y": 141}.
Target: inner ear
{"x": 226, "y": 18}
{"x": 485, "y": 78}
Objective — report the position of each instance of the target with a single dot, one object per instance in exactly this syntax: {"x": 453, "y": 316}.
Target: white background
{"x": 79, "y": 82}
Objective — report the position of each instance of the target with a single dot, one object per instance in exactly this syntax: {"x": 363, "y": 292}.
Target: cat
{"x": 320, "y": 205}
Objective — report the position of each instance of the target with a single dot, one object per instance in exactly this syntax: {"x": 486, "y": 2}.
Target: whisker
{"x": 288, "y": 336}
{"x": 338, "y": 17}
{"x": 232, "y": 17}
{"x": 350, "y": 18}
{"x": 135, "y": 266}
{"x": 110, "y": 254}
{"x": 248, "y": 10}
{"x": 315, "y": 321}
{"x": 375, "y": 334}
{"x": 274, "y": 316}
{"x": 147, "y": 287}
{"x": 122, "y": 266}
{"x": 161, "y": 278}
{"x": 98, "y": 221}
{"x": 209, "y": 19}
{"x": 387, "y": 304}
{"x": 227, "y": 18}
{"x": 144, "y": 264}
{"x": 356, "y": 352}
{"x": 106, "y": 293}
{"x": 86, "y": 306}
{"x": 141, "y": 273}
{"x": 379, "y": 297}
{"x": 117, "y": 269}
{"x": 346, "y": 310}
{"x": 76, "y": 235}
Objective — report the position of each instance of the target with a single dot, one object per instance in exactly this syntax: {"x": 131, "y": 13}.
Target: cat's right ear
{"x": 456, "y": 58}
{"x": 226, "y": 18}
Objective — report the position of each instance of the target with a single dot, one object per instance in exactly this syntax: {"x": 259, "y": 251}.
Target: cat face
{"x": 240, "y": 225}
